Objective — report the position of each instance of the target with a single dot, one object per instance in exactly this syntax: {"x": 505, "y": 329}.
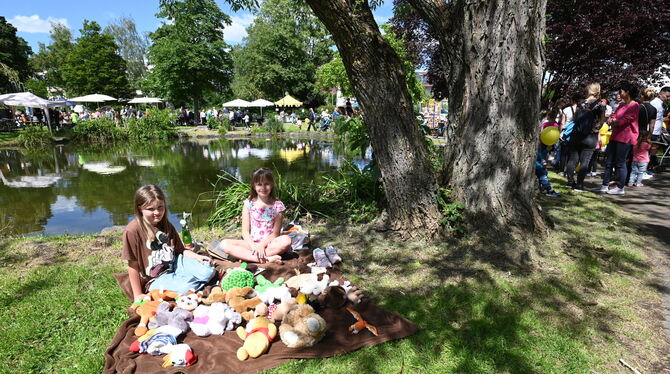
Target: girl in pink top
{"x": 640, "y": 159}
{"x": 261, "y": 223}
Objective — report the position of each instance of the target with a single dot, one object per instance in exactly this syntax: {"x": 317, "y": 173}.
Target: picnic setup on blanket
{"x": 251, "y": 317}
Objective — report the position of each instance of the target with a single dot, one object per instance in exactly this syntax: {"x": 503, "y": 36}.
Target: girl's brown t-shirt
{"x": 135, "y": 249}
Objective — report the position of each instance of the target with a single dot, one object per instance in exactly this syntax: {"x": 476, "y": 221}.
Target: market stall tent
{"x": 27, "y": 99}
{"x": 93, "y": 98}
{"x": 145, "y": 100}
{"x": 239, "y": 103}
{"x": 261, "y": 103}
{"x": 288, "y": 100}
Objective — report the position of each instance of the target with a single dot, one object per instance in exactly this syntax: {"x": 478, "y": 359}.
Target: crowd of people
{"x": 625, "y": 135}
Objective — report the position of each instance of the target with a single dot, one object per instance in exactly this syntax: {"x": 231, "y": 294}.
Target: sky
{"x": 32, "y": 18}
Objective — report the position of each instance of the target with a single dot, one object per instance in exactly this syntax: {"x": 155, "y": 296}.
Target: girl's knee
{"x": 226, "y": 245}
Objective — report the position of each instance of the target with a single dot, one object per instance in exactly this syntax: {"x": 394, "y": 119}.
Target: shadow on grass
{"x": 481, "y": 320}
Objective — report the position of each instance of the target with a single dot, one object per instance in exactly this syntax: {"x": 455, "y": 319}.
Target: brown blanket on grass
{"x": 217, "y": 353}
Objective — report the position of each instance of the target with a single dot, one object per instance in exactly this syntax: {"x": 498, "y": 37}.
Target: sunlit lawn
{"x": 588, "y": 301}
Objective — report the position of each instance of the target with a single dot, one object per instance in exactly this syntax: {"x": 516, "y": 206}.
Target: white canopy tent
{"x": 261, "y": 103}
{"x": 239, "y": 103}
{"x": 93, "y": 98}
{"x": 145, "y": 100}
{"x": 27, "y": 99}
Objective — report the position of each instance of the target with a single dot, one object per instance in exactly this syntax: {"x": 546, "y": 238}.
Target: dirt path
{"x": 653, "y": 203}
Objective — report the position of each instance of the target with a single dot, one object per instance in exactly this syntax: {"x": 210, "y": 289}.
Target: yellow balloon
{"x": 550, "y": 135}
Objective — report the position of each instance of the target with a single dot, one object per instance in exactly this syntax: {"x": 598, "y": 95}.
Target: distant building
{"x": 422, "y": 76}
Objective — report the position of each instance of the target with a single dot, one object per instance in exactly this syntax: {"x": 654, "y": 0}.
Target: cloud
{"x": 34, "y": 24}
{"x": 235, "y": 32}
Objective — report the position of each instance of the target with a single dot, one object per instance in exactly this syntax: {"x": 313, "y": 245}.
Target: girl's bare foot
{"x": 276, "y": 259}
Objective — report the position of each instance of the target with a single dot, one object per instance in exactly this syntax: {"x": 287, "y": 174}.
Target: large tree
{"x": 94, "y": 65}
{"x": 281, "y": 52}
{"x": 589, "y": 41}
{"x": 189, "y": 57}
{"x": 50, "y": 60}
{"x": 14, "y": 53}
{"x": 494, "y": 63}
{"x": 132, "y": 46}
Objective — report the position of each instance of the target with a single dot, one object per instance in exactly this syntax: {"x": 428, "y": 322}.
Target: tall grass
{"x": 351, "y": 196}
{"x": 98, "y": 130}
{"x": 156, "y": 124}
{"x": 34, "y": 137}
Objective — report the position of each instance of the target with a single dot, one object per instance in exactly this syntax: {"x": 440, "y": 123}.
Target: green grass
{"x": 588, "y": 301}
{"x": 10, "y": 137}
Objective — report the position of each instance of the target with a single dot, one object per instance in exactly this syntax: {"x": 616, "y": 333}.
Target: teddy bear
{"x": 178, "y": 317}
{"x": 214, "y": 319}
{"x": 237, "y": 298}
{"x": 216, "y": 295}
{"x": 277, "y": 315}
{"x": 336, "y": 295}
{"x": 301, "y": 327}
{"x": 257, "y": 337}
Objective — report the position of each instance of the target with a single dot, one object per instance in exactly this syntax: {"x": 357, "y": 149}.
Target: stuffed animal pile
{"x": 260, "y": 309}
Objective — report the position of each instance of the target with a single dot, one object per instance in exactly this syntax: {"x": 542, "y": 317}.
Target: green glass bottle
{"x": 186, "y": 231}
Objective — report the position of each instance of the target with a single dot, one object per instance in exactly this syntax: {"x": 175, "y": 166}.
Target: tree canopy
{"x": 14, "y": 53}
{"x": 591, "y": 41}
{"x": 132, "y": 46}
{"x": 50, "y": 60}
{"x": 333, "y": 73}
{"x": 586, "y": 41}
{"x": 188, "y": 56}
{"x": 282, "y": 50}
{"x": 94, "y": 66}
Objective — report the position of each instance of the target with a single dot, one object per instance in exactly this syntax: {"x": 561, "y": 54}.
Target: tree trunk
{"x": 376, "y": 76}
{"x": 494, "y": 61}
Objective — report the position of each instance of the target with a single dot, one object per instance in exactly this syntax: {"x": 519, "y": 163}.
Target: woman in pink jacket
{"x": 625, "y": 130}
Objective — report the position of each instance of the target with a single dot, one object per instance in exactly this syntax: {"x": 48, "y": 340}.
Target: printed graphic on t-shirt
{"x": 161, "y": 259}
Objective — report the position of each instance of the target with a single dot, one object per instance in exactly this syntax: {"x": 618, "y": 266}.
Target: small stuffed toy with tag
{"x": 361, "y": 324}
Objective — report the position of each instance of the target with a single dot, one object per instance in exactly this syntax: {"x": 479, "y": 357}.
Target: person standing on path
{"x": 624, "y": 123}
{"x": 663, "y": 96}
{"x": 312, "y": 118}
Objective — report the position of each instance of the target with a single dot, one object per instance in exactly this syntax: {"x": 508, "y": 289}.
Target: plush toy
{"x": 237, "y": 298}
{"x": 262, "y": 284}
{"x": 301, "y": 327}
{"x": 146, "y": 310}
{"x": 180, "y": 355}
{"x": 189, "y": 301}
{"x": 282, "y": 309}
{"x": 161, "y": 295}
{"x": 237, "y": 277}
{"x": 336, "y": 295}
{"x": 178, "y": 317}
{"x": 257, "y": 337}
{"x": 216, "y": 295}
{"x": 294, "y": 281}
{"x": 156, "y": 341}
{"x": 215, "y": 319}
{"x": 275, "y": 293}
{"x": 360, "y": 324}
{"x": 314, "y": 286}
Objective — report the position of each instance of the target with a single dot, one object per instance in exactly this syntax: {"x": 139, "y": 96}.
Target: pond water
{"x": 72, "y": 189}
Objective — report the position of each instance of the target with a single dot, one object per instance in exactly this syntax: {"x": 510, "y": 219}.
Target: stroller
{"x": 325, "y": 123}
{"x": 663, "y": 144}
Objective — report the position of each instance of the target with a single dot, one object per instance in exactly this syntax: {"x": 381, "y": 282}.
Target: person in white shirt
{"x": 664, "y": 95}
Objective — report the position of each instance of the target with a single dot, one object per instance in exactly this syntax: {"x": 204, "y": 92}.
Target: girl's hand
{"x": 203, "y": 259}
{"x": 258, "y": 250}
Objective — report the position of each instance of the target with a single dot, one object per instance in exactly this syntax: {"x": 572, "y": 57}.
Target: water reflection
{"x": 74, "y": 189}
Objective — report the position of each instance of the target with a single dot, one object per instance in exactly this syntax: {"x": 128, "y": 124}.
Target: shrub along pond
{"x": 75, "y": 189}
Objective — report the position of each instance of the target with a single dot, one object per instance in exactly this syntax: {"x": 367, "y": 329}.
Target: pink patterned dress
{"x": 262, "y": 220}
